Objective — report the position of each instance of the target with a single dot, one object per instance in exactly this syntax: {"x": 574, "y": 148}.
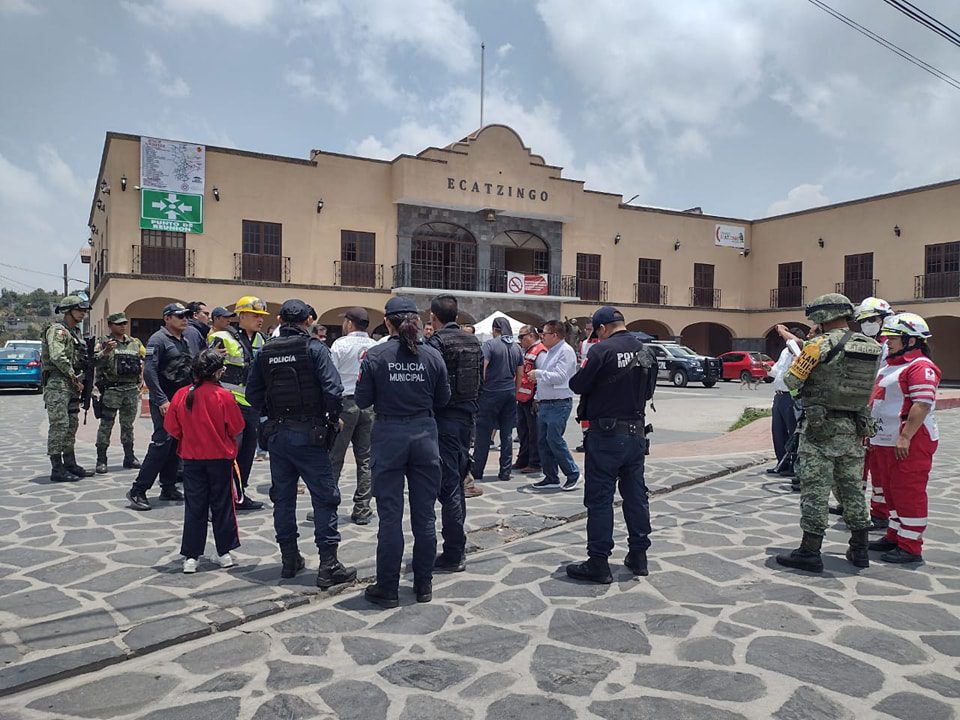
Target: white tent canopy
{"x": 484, "y": 328}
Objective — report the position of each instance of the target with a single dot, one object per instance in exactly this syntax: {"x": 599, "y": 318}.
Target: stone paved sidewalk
{"x": 717, "y": 631}
{"x": 85, "y": 581}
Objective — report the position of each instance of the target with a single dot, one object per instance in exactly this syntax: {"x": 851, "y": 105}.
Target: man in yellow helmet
{"x": 240, "y": 345}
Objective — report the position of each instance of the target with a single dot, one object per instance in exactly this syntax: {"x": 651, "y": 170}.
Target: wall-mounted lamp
{"x": 90, "y": 242}
{"x": 820, "y": 242}
{"x": 616, "y": 239}
{"x": 123, "y": 183}
{"x": 100, "y": 205}
{"x": 490, "y": 215}
{"x": 104, "y": 188}
{"x": 93, "y": 229}
{"x": 216, "y": 194}
{"x": 319, "y": 206}
{"x": 676, "y": 245}
{"x": 896, "y": 230}
{"x": 745, "y": 252}
{"x": 137, "y": 187}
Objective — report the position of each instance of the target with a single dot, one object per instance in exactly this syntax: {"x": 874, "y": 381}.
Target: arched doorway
{"x": 146, "y": 316}
{"x": 774, "y": 344}
{"x": 527, "y": 318}
{"x": 516, "y": 251}
{"x": 659, "y": 330}
{"x": 333, "y": 320}
{"x": 443, "y": 256}
{"x": 944, "y": 346}
{"x": 708, "y": 338}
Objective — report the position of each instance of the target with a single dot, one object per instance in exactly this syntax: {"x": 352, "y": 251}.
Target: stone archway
{"x": 333, "y": 320}
{"x": 944, "y": 346}
{"x": 659, "y": 330}
{"x": 772, "y": 342}
{"x": 146, "y": 316}
{"x": 708, "y": 338}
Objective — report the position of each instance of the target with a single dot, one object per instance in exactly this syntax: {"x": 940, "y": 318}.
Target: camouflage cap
{"x": 831, "y": 306}
{"x": 117, "y": 318}
{"x": 73, "y": 302}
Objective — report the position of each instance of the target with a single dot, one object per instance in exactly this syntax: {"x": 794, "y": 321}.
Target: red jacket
{"x": 526, "y": 388}
{"x": 208, "y": 431}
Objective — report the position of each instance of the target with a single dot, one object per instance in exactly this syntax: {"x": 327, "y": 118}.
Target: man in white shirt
{"x": 552, "y": 374}
{"x": 785, "y": 410}
{"x": 347, "y": 351}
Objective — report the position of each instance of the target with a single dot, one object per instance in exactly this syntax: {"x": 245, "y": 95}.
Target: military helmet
{"x": 831, "y": 306}
{"x": 73, "y": 302}
{"x": 250, "y": 304}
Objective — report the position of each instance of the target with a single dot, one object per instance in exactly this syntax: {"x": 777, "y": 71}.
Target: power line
{"x": 41, "y": 272}
{"x": 18, "y": 282}
{"x": 925, "y": 19}
{"x": 925, "y": 66}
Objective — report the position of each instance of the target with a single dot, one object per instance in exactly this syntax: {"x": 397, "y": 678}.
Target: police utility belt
{"x": 619, "y": 426}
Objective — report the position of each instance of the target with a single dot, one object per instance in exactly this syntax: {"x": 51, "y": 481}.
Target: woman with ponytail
{"x": 404, "y": 380}
{"x": 205, "y": 420}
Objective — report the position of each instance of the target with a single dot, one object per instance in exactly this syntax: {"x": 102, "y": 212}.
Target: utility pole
{"x": 66, "y": 290}
{"x": 483, "y": 48}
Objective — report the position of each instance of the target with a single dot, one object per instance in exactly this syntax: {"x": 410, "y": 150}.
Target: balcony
{"x": 937, "y": 285}
{"x": 788, "y": 297}
{"x": 592, "y": 290}
{"x": 649, "y": 294}
{"x": 349, "y": 273}
{"x": 704, "y": 297}
{"x": 172, "y": 262}
{"x": 99, "y": 268}
{"x": 261, "y": 268}
{"x": 857, "y": 290}
{"x": 480, "y": 280}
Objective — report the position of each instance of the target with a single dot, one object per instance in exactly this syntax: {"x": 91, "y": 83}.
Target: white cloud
{"x": 504, "y": 50}
{"x": 168, "y": 84}
{"x": 802, "y": 197}
{"x": 301, "y": 78}
{"x": 690, "y": 143}
{"x": 247, "y": 14}
{"x": 19, "y": 7}
{"x": 105, "y": 62}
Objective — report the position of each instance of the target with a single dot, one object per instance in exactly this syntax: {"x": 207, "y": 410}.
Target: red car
{"x": 747, "y": 366}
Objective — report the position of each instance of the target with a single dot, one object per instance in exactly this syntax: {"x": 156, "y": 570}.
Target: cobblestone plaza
{"x": 98, "y": 621}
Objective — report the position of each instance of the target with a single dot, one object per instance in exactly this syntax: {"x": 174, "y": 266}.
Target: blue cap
{"x": 606, "y": 315}
{"x": 174, "y": 308}
{"x": 397, "y": 305}
{"x": 294, "y": 311}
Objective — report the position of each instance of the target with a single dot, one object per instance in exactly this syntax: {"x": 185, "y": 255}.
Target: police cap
{"x": 221, "y": 312}
{"x": 117, "y": 318}
{"x": 294, "y": 311}
{"x": 175, "y": 308}
{"x": 398, "y": 305}
{"x": 607, "y": 315}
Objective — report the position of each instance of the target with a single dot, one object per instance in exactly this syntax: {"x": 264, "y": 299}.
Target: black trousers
{"x": 784, "y": 422}
{"x": 247, "y": 442}
{"x": 529, "y": 455}
{"x": 208, "y": 489}
{"x": 161, "y": 458}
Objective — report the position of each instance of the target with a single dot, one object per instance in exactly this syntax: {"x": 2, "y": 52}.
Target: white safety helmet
{"x": 871, "y": 307}
{"x": 909, "y": 324}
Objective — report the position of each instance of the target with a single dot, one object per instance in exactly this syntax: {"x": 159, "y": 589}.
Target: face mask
{"x": 870, "y": 328}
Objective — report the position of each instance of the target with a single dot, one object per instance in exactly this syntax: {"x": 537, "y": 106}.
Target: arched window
{"x": 443, "y": 256}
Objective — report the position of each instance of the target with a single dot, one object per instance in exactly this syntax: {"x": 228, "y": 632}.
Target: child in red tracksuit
{"x": 205, "y": 420}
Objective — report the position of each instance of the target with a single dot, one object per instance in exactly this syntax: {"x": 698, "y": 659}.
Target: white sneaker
{"x": 189, "y": 565}
{"x": 224, "y": 560}
{"x": 571, "y": 484}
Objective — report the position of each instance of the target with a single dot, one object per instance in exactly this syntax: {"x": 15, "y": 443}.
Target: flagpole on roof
{"x": 482, "y": 53}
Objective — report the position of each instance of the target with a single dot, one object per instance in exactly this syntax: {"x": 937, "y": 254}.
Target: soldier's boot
{"x": 857, "y": 550}
{"x": 807, "y": 556}
{"x": 596, "y": 569}
{"x": 332, "y": 571}
{"x": 101, "y": 459}
{"x": 838, "y": 510}
{"x": 129, "y": 459}
{"x": 70, "y": 463}
{"x": 291, "y": 558}
{"x": 59, "y": 473}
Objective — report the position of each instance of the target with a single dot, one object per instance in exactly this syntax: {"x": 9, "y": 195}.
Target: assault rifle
{"x": 88, "y": 365}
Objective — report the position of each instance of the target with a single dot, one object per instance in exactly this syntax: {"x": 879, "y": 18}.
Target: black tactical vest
{"x": 463, "y": 357}
{"x": 292, "y": 391}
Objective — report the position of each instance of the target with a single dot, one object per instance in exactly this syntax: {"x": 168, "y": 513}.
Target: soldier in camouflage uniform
{"x": 833, "y": 377}
{"x": 119, "y": 363}
{"x": 63, "y": 356}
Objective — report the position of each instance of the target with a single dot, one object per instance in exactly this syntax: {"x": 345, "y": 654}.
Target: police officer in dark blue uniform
{"x": 405, "y": 381}
{"x": 294, "y": 383}
{"x": 615, "y": 382}
{"x": 463, "y": 356}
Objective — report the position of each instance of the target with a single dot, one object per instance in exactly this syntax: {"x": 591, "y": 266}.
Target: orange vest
{"x": 527, "y": 386}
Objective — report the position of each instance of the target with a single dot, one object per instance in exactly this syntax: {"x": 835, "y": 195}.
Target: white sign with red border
{"x": 527, "y": 283}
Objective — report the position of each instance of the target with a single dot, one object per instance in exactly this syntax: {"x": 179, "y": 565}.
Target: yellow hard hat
{"x": 251, "y": 304}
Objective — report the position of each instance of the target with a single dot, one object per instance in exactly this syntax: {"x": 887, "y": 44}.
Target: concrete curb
{"x": 54, "y": 668}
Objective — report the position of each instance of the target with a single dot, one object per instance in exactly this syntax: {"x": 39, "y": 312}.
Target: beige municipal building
{"x": 490, "y": 221}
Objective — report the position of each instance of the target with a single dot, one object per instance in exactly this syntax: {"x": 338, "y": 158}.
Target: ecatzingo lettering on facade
{"x": 498, "y": 189}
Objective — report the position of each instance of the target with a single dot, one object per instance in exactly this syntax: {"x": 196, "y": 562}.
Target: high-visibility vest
{"x": 236, "y": 361}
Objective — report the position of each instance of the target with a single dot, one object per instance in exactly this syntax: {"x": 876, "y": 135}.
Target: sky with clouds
{"x": 744, "y": 107}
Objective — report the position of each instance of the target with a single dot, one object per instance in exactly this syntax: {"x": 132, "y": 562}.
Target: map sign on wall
{"x": 729, "y": 236}
{"x": 171, "y": 165}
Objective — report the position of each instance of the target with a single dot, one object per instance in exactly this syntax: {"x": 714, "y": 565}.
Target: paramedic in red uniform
{"x": 901, "y": 453}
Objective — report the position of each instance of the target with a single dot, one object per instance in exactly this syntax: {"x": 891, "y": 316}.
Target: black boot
{"x": 838, "y": 510}
{"x": 878, "y": 523}
{"x": 292, "y": 559}
{"x": 857, "y": 550}
{"x": 424, "y": 590}
{"x": 636, "y": 562}
{"x": 807, "y": 556}
{"x": 449, "y": 563}
{"x": 332, "y": 571}
{"x": 70, "y": 463}
{"x": 129, "y": 459}
{"x": 795, "y": 484}
{"x": 882, "y": 545}
{"x": 381, "y": 595}
{"x": 101, "y": 459}
{"x": 59, "y": 472}
{"x": 595, "y": 569}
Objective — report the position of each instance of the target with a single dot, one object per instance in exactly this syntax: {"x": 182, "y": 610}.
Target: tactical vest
{"x": 845, "y": 383}
{"x": 126, "y": 363}
{"x": 177, "y": 373}
{"x": 463, "y": 357}
{"x": 76, "y": 349}
{"x": 292, "y": 390}
{"x": 237, "y": 361}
